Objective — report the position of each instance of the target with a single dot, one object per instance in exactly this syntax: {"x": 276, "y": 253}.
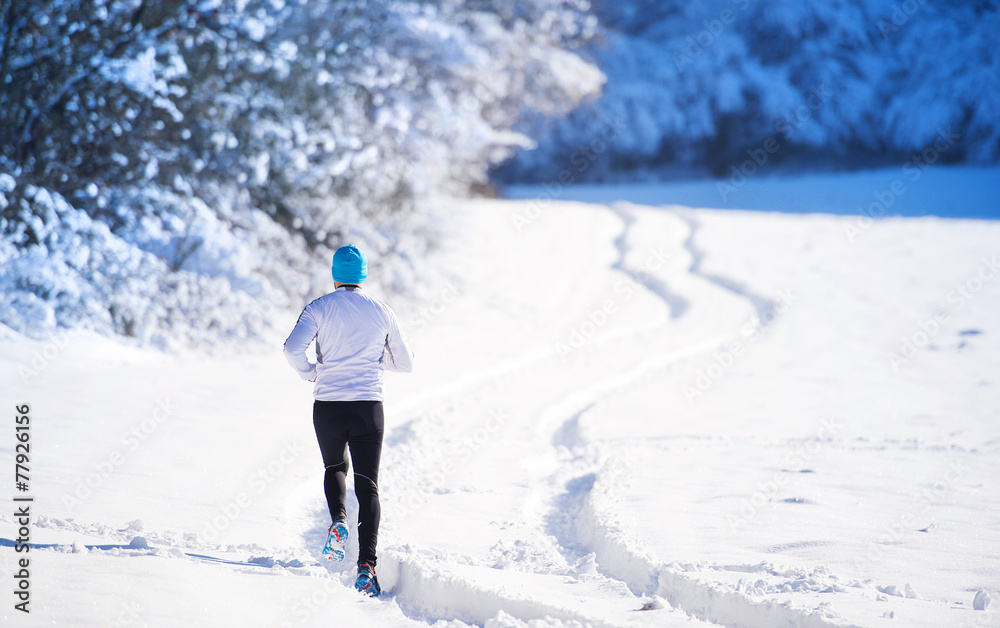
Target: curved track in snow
{"x": 533, "y": 461}
{"x": 557, "y": 540}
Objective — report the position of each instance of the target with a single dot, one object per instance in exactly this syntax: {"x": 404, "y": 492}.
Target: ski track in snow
{"x": 566, "y": 540}
{"x": 570, "y": 522}
{"x": 421, "y": 589}
{"x": 760, "y": 303}
{"x": 676, "y": 302}
{"x": 587, "y": 531}
{"x": 580, "y": 529}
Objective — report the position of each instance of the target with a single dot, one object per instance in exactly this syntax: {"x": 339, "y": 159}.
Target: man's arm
{"x": 298, "y": 341}
{"x": 396, "y": 356}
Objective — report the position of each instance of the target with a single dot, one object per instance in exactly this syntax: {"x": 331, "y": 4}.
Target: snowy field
{"x": 907, "y": 190}
{"x": 621, "y": 415}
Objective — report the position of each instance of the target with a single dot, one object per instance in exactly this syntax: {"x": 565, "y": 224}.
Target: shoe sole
{"x": 336, "y": 552}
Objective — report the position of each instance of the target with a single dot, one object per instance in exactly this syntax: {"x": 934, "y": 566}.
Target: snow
{"x": 616, "y": 406}
{"x": 218, "y": 150}
{"x": 907, "y": 190}
{"x": 698, "y": 83}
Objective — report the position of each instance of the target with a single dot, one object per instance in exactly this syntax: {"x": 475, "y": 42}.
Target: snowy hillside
{"x": 621, "y": 415}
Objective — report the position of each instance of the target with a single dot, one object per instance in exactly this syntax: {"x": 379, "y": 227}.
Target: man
{"x": 357, "y": 337}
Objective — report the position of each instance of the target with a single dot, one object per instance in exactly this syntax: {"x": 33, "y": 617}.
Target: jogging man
{"x": 357, "y": 338}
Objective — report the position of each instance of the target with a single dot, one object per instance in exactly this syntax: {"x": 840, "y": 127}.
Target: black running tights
{"x": 356, "y": 426}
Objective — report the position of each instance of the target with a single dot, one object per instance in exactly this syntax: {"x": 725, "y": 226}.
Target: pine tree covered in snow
{"x": 167, "y": 168}
{"x": 835, "y": 83}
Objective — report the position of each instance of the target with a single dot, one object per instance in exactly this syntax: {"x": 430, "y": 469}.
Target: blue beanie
{"x": 350, "y": 265}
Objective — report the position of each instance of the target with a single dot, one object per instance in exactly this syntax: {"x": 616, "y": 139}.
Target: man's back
{"x": 357, "y": 337}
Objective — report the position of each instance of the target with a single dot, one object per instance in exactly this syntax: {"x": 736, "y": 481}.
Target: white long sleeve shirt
{"x": 357, "y": 338}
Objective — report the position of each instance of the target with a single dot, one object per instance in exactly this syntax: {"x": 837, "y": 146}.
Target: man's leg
{"x": 366, "y": 454}
{"x": 331, "y": 433}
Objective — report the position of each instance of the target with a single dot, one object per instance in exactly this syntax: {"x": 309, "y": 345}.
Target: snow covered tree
{"x": 694, "y": 85}
{"x": 169, "y": 167}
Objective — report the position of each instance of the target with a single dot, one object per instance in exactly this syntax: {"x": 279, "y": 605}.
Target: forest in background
{"x": 170, "y": 172}
{"x": 697, "y": 88}
{"x": 170, "y": 168}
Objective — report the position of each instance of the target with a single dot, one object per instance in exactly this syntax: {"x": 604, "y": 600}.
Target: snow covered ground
{"x": 908, "y": 190}
{"x": 726, "y": 418}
